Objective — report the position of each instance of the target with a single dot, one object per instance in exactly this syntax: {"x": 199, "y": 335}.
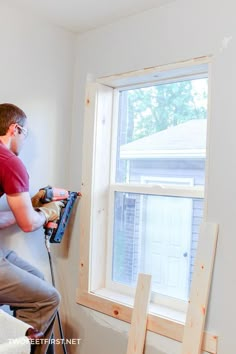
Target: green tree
{"x": 155, "y": 108}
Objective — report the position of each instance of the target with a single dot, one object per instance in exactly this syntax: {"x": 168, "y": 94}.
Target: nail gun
{"x": 54, "y": 231}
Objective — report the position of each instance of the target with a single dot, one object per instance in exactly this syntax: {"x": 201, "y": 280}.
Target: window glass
{"x": 162, "y": 132}
{"x": 156, "y": 235}
{"x": 161, "y": 140}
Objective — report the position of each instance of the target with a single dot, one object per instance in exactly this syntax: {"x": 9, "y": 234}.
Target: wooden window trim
{"x": 92, "y": 241}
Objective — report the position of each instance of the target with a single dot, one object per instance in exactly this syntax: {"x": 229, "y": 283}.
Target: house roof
{"x": 186, "y": 140}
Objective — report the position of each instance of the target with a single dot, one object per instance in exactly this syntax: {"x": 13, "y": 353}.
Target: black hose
{"x": 58, "y": 315}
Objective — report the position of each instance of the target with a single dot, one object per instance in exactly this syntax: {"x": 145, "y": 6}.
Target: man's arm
{"x": 6, "y": 219}
{"x": 26, "y": 217}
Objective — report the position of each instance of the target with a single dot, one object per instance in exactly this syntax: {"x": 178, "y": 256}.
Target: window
{"x": 160, "y": 141}
{"x": 144, "y": 167}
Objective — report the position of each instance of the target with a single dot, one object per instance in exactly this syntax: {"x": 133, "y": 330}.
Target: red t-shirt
{"x": 13, "y": 175}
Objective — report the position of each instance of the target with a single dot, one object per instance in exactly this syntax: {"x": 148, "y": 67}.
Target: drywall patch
{"x": 155, "y": 344}
{"x": 225, "y": 42}
{"x": 110, "y": 322}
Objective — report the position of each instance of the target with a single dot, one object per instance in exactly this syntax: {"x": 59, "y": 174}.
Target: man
{"x": 22, "y": 286}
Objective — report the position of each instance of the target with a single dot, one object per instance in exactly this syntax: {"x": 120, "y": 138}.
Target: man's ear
{"x": 12, "y": 130}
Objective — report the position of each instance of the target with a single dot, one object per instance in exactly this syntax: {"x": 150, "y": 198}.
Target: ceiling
{"x": 84, "y": 15}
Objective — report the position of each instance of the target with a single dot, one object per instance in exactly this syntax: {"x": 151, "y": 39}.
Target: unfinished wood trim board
{"x": 200, "y": 288}
{"x": 138, "y": 327}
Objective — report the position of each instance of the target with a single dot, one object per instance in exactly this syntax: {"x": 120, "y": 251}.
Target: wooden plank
{"x": 137, "y": 331}
{"x": 93, "y": 206}
{"x": 200, "y": 288}
{"x": 100, "y": 182}
{"x": 86, "y": 204}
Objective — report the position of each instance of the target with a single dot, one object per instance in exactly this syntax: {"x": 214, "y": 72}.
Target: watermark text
{"x": 37, "y": 341}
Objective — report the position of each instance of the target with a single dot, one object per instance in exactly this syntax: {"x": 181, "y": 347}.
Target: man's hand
{"x": 51, "y": 210}
{"x": 36, "y": 199}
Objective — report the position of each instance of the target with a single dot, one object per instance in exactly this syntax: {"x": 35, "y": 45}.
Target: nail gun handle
{"x": 49, "y": 229}
{"x": 51, "y": 225}
{"x": 52, "y": 194}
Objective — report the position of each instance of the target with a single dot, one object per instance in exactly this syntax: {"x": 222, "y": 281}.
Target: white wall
{"x": 182, "y": 30}
{"x": 36, "y": 72}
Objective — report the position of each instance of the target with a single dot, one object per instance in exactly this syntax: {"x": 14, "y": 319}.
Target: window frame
{"x": 94, "y": 206}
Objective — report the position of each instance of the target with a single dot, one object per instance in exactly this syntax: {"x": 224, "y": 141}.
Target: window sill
{"x": 154, "y": 309}
{"x": 161, "y": 320}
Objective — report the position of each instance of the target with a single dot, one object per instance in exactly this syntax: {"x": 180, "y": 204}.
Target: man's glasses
{"x": 23, "y": 130}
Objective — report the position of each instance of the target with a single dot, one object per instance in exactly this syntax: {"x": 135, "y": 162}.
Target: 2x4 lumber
{"x": 200, "y": 288}
{"x": 138, "y": 326}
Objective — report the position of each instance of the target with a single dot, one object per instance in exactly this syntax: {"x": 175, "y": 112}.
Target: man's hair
{"x": 10, "y": 114}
